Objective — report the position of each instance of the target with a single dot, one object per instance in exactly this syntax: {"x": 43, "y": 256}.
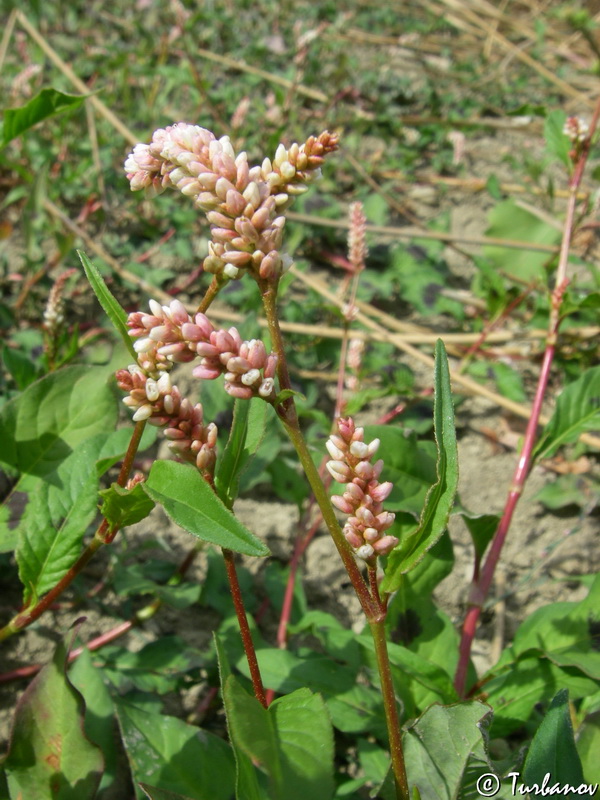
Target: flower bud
{"x": 371, "y": 535}
{"x": 142, "y": 413}
{"x": 381, "y": 491}
{"x": 342, "y": 504}
{"x": 235, "y": 390}
{"x": 206, "y": 373}
{"x": 353, "y": 538}
{"x": 231, "y": 271}
{"x": 334, "y": 451}
{"x": 385, "y": 545}
{"x": 339, "y": 471}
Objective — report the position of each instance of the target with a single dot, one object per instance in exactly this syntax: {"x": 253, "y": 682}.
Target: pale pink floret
{"x": 363, "y": 496}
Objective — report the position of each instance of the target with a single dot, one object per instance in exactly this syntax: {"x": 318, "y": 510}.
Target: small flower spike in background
{"x": 364, "y": 495}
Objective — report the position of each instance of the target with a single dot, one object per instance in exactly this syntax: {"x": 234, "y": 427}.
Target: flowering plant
{"x": 280, "y": 746}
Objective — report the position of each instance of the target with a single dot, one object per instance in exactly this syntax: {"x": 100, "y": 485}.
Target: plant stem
{"x": 391, "y": 708}
{"x": 246, "y": 635}
{"x": 372, "y": 605}
{"x": 102, "y": 537}
{"x": 481, "y": 585}
{"x": 212, "y": 291}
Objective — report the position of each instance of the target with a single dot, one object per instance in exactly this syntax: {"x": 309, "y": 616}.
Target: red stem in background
{"x": 481, "y": 586}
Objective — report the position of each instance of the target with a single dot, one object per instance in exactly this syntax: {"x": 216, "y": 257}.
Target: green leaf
{"x": 557, "y": 144}
{"x": 577, "y": 410}
{"x": 352, "y": 707}
{"x": 227, "y": 476}
{"x": 99, "y": 714}
{"x": 54, "y": 415}
{"x": 482, "y": 528}
{"x": 161, "y": 794}
{"x": 20, "y": 366}
{"x": 441, "y": 744}
{"x": 291, "y": 741}
{"x": 168, "y": 753}
{"x": 566, "y": 633}
{"x": 553, "y": 749}
{"x": 285, "y": 672}
{"x": 157, "y": 668}
{"x": 249, "y": 783}
{"x": 122, "y": 507}
{"x": 409, "y": 465}
{"x": 509, "y": 382}
{"x": 408, "y": 663}
{"x": 131, "y": 580}
{"x": 49, "y": 755}
{"x": 588, "y": 747}
{"x": 515, "y": 693}
{"x": 115, "y": 313}
{"x": 190, "y": 502}
{"x": 414, "y": 621}
{"x": 46, "y": 103}
{"x": 510, "y": 221}
{"x": 59, "y": 510}
{"x": 440, "y": 497}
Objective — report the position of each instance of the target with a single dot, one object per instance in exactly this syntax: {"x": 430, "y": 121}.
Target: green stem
{"x": 371, "y": 603}
{"x": 212, "y": 291}
{"x": 391, "y": 709}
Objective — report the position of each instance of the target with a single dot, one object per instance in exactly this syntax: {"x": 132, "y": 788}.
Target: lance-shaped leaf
{"x": 49, "y": 754}
{"x": 440, "y": 496}
{"x": 577, "y": 410}
{"x": 553, "y": 749}
{"x": 46, "y": 103}
{"x": 115, "y": 313}
{"x": 190, "y": 502}
{"x": 247, "y": 431}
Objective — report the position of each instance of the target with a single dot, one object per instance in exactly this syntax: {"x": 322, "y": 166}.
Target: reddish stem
{"x": 481, "y": 586}
{"x": 246, "y": 635}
